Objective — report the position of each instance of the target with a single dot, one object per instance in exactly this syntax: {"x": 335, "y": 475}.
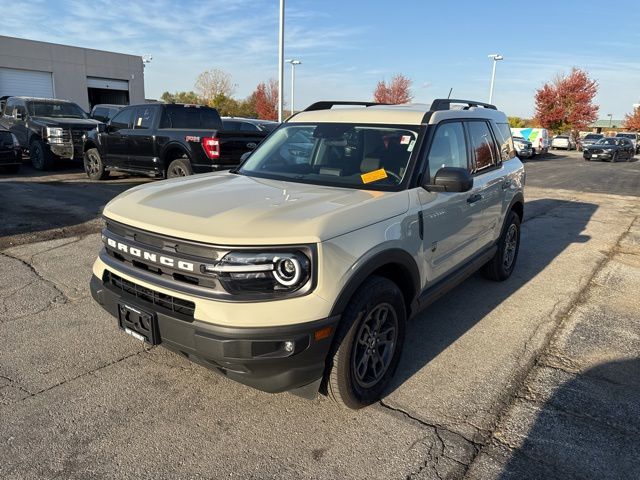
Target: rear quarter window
{"x": 179, "y": 116}
{"x": 507, "y": 150}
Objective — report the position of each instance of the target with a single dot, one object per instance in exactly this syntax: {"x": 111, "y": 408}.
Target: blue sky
{"x": 348, "y": 46}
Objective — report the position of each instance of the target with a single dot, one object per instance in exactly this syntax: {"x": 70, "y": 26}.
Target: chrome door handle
{"x": 474, "y": 198}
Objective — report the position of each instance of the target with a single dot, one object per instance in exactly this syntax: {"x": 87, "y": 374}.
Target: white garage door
{"x": 27, "y": 83}
{"x": 107, "y": 83}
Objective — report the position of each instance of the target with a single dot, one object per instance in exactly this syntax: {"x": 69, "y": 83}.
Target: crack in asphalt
{"x": 38, "y": 275}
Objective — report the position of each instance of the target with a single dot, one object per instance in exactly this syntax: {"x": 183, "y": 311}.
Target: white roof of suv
{"x": 405, "y": 114}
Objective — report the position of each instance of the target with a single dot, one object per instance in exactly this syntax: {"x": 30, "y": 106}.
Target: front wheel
{"x": 501, "y": 266}
{"x": 94, "y": 166}
{"x": 41, "y": 156}
{"x": 179, "y": 168}
{"x": 368, "y": 344}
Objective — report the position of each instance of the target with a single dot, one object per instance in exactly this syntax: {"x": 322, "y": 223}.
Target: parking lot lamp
{"x": 496, "y": 58}
{"x": 281, "y": 61}
{"x": 610, "y": 115}
{"x": 293, "y": 82}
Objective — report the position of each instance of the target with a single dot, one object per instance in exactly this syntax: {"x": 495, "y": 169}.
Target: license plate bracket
{"x": 138, "y": 323}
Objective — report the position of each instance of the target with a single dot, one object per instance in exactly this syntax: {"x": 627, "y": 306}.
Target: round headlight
{"x": 287, "y": 271}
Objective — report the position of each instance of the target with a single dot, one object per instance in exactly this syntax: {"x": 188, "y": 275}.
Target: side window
{"x": 230, "y": 125}
{"x": 100, "y": 113}
{"x": 448, "y": 148}
{"x": 144, "y": 118}
{"x": 122, "y": 119}
{"x": 482, "y": 145}
{"x": 8, "y": 108}
{"x": 248, "y": 127}
{"x": 507, "y": 151}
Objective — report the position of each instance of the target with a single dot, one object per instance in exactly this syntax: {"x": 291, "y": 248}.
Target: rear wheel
{"x": 368, "y": 344}
{"x": 94, "y": 166}
{"x": 179, "y": 168}
{"x": 41, "y": 156}
{"x": 501, "y": 266}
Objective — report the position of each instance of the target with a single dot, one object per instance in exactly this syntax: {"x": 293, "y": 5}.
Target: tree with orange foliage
{"x": 566, "y": 104}
{"x": 396, "y": 92}
{"x": 265, "y": 98}
{"x": 632, "y": 120}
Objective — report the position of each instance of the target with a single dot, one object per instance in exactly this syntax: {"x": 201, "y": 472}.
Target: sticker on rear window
{"x": 374, "y": 175}
{"x": 139, "y": 122}
{"x": 405, "y": 139}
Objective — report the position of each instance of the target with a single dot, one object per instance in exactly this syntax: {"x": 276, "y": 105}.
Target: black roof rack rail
{"x": 326, "y": 105}
{"x": 445, "y": 104}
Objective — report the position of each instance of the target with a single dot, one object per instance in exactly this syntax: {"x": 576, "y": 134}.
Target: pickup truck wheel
{"x": 41, "y": 156}
{"x": 501, "y": 266}
{"x": 179, "y": 168}
{"x": 94, "y": 166}
{"x": 368, "y": 344}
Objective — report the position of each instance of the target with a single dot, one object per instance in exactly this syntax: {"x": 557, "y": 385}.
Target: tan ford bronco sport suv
{"x": 299, "y": 269}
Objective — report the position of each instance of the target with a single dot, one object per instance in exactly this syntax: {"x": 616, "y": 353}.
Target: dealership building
{"x": 81, "y": 75}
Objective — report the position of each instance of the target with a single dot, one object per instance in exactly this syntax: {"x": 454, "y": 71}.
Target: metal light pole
{"x": 496, "y": 58}
{"x": 293, "y": 82}
{"x": 281, "y": 61}
{"x": 610, "y": 115}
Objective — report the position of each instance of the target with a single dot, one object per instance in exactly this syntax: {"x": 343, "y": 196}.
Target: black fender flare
{"x": 173, "y": 145}
{"x": 394, "y": 257}
{"x": 517, "y": 198}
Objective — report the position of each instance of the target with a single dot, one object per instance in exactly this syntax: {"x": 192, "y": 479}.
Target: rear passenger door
{"x": 452, "y": 220}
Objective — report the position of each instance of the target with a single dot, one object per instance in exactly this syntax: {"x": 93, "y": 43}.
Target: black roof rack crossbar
{"x": 326, "y": 105}
{"x": 445, "y": 104}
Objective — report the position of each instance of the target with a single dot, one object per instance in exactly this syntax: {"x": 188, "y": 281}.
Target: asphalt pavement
{"x": 535, "y": 377}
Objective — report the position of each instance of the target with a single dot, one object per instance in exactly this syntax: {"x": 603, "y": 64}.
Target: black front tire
{"x": 41, "y": 156}
{"x": 368, "y": 344}
{"x": 179, "y": 168}
{"x": 501, "y": 266}
{"x": 94, "y": 166}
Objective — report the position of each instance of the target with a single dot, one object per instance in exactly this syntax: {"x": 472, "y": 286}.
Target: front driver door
{"x": 115, "y": 138}
{"x": 452, "y": 220}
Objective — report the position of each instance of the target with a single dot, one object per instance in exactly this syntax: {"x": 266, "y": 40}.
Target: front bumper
{"x": 525, "y": 153}
{"x": 66, "y": 150}
{"x": 255, "y": 356}
{"x": 587, "y": 155}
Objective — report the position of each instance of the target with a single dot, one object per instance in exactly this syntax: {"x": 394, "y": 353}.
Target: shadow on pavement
{"x": 449, "y": 318}
{"x": 588, "y": 428}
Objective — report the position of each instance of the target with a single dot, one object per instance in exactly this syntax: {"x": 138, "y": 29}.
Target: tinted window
{"x": 507, "y": 151}
{"x": 122, "y": 119}
{"x": 101, "y": 114}
{"x": 483, "y": 146}
{"x": 55, "y": 109}
{"x": 231, "y": 125}
{"x": 269, "y": 127}
{"x": 8, "y": 108}
{"x": 178, "y": 116}
{"x": 144, "y": 118}
{"x": 592, "y": 136}
{"x": 448, "y": 148}
{"x": 248, "y": 127}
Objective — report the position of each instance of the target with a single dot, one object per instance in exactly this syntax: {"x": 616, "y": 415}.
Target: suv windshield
{"x": 593, "y": 136}
{"x": 55, "y": 109}
{"x": 369, "y": 157}
{"x": 632, "y": 136}
{"x": 607, "y": 141}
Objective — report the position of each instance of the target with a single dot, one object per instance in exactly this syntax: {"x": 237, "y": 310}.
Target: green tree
{"x": 517, "y": 122}
{"x": 181, "y": 97}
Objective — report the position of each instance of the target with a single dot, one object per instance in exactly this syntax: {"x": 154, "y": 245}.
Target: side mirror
{"x": 451, "y": 179}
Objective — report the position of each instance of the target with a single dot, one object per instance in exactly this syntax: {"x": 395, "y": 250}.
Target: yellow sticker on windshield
{"x": 373, "y": 176}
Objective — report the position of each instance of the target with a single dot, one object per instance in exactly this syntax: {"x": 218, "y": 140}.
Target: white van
{"x": 539, "y": 138}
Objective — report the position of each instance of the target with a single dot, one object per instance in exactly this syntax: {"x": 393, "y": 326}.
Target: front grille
{"x": 76, "y": 135}
{"x": 183, "y": 308}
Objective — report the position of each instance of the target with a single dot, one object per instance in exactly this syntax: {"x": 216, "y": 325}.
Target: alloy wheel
{"x": 375, "y": 345}
{"x": 511, "y": 243}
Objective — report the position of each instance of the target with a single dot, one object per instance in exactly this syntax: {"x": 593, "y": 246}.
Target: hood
{"x": 66, "y": 122}
{"x": 228, "y": 209}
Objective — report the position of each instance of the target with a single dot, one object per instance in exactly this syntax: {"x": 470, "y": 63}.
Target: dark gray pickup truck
{"x": 49, "y": 129}
{"x": 165, "y": 140}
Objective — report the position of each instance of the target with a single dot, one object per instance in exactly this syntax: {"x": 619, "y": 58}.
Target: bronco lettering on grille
{"x": 149, "y": 256}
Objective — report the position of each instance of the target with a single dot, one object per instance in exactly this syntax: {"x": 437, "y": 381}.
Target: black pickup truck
{"x": 48, "y": 128}
{"x": 165, "y": 140}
